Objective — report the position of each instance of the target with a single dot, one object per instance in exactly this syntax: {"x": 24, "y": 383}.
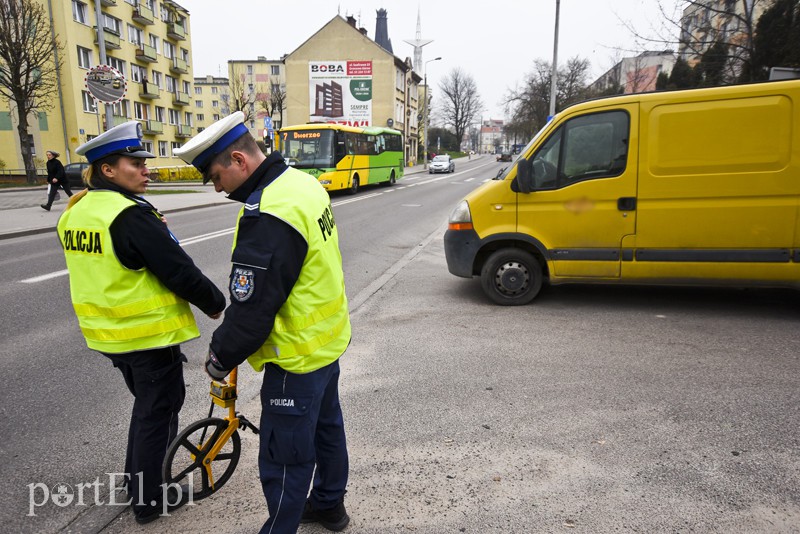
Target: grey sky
{"x": 495, "y": 42}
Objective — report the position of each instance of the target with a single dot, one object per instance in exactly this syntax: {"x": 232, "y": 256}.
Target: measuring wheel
{"x": 191, "y": 459}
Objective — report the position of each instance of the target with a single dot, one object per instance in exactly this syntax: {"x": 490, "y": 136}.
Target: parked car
{"x": 441, "y": 163}
{"x": 74, "y": 173}
{"x": 504, "y": 156}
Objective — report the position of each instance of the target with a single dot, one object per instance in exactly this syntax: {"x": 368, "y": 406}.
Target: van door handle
{"x": 626, "y": 203}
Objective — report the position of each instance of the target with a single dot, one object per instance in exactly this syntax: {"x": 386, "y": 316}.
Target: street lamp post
{"x": 425, "y": 114}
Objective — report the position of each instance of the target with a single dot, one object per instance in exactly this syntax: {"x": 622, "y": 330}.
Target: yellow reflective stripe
{"x": 301, "y": 322}
{"x": 311, "y": 346}
{"x": 136, "y": 332}
{"x": 126, "y": 310}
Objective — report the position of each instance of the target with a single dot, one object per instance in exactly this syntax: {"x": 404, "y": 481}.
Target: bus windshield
{"x": 309, "y": 149}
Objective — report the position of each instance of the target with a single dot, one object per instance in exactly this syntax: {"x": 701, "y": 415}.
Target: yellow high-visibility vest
{"x": 312, "y": 328}
{"x": 119, "y": 309}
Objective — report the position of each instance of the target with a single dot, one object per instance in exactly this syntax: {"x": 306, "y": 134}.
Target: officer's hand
{"x": 214, "y": 369}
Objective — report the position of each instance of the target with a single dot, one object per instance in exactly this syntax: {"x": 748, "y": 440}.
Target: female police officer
{"x": 130, "y": 282}
{"x": 288, "y": 316}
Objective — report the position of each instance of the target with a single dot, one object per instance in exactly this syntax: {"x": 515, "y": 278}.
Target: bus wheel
{"x": 353, "y": 186}
{"x": 392, "y": 180}
{"x": 511, "y": 277}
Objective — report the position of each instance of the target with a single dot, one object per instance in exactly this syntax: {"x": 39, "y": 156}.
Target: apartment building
{"x": 341, "y": 75}
{"x": 635, "y": 74}
{"x": 256, "y": 87}
{"x": 210, "y": 101}
{"x": 148, "y": 41}
{"x": 705, "y": 22}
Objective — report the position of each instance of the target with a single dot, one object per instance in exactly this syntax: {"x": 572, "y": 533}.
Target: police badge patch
{"x": 242, "y": 284}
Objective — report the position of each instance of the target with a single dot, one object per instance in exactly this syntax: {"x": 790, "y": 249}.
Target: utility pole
{"x": 426, "y": 113}
{"x": 554, "y": 76}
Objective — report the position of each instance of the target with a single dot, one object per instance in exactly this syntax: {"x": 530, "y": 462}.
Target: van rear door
{"x": 584, "y": 201}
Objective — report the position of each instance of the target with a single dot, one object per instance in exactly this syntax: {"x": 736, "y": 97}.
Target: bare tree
{"x": 529, "y": 105}
{"x": 28, "y": 66}
{"x": 273, "y": 101}
{"x": 461, "y": 103}
{"x": 694, "y": 26}
{"x": 242, "y": 97}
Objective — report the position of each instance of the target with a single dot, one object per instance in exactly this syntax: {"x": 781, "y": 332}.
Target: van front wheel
{"x": 511, "y": 277}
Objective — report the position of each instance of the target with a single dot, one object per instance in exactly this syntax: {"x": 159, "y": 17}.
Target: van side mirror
{"x": 524, "y": 178}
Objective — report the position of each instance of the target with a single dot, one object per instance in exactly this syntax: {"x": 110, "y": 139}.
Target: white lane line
{"x": 44, "y": 277}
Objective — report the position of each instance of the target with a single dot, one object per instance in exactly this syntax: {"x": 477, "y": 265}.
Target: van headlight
{"x": 460, "y": 218}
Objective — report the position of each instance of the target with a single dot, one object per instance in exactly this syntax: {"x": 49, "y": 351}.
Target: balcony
{"x": 152, "y": 127}
{"x": 183, "y": 130}
{"x": 108, "y": 3}
{"x": 179, "y": 65}
{"x": 143, "y": 15}
{"x": 176, "y": 31}
{"x": 180, "y": 99}
{"x": 116, "y": 120}
{"x": 149, "y": 90}
{"x": 146, "y": 53}
{"x": 110, "y": 37}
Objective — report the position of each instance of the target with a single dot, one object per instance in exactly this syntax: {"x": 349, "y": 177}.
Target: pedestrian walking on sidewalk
{"x": 131, "y": 284}
{"x": 56, "y": 177}
{"x": 288, "y": 316}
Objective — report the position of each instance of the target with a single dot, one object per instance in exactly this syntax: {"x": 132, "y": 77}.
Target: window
{"x": 164, "y": 13}
{"x": 157, "y": 79}
{"x": 584, "y": 148}
{"x": 187, "y": 118}
{"x": 187, "y": 87}
{"x": 275, "y": 88}
{"x": 216, "y": 116}
{"x": 198, "y": 90}
{"x": 174, "y": 117}
{"x": 88, "y": 102}
{"x": 112, "y": 23}
{"x": 171, "y": 86}
{"x": 154, "y": 42}
{"x": 162, "y": 149}
{"x": 135, "y": 35}
{"x": 275, "y": 70}
{"x": 198, "y": 103}
{"x": 159, "y": 114}
{"x": 169, "y": 50}
{"x": 138, "y": 73}
{"x": 250, "y": 88}
{"x": 79, "y": 11}
{"x": 252, "y": 124}
{"x": 84, "y": 58}
{"x": 215, "y": 103}
{"x": 116, "y": 63}
{"x": 175, "y": 146}
{"x": 121, "y": 109}
{"x": 148, "y": 145}
{"x": 185, "y": 55}
{"x": 214, "y": 90}
{"x": 141, "y": 111}
{"x": 249, "y": 70}
{"x": 201, "y": 117}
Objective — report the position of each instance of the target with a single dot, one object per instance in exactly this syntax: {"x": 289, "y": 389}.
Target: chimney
{"x": 363, "y": 31}
{"x": 351, "y": 20}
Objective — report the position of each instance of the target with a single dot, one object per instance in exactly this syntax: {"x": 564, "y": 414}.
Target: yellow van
{"x": 683, "y": 187}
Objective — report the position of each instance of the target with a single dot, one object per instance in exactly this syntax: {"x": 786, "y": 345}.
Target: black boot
{"x": 335, "y": 519}
{"x": 45, "y": 207}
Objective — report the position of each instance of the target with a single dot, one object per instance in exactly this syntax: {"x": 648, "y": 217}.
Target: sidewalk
{"x": 21, "y": 214}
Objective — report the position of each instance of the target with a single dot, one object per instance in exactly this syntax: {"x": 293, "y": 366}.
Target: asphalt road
{"x": 595, "y": 409}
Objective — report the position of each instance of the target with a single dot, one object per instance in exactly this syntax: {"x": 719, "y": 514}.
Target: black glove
{"x": 215, "y": 369}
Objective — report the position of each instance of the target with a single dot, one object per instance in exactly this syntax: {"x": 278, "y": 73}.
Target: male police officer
{"x": 288, "y": 316}
{"x": 130, "y": 282}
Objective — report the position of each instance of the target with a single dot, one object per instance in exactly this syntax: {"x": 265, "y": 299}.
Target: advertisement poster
{"x": 340, "y": 92}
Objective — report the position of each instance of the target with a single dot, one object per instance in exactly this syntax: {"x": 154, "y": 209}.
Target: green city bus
{"x": 344, "y": 157}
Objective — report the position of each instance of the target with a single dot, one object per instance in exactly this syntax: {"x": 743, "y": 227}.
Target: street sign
{"x": 106, "y": 84}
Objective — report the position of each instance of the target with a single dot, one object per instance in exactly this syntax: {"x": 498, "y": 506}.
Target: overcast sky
{"x": 495, "y": 42}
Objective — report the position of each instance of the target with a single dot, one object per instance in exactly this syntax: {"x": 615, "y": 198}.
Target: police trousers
{"x": 301, "y": 428}
{"x": 155, "y": 378}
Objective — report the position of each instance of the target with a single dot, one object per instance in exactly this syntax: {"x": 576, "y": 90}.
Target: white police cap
{"x": 125, "y": 139}
{"x": 202, "y": 149}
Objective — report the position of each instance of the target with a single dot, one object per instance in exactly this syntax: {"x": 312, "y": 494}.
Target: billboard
{"x": 340, "y": 92}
